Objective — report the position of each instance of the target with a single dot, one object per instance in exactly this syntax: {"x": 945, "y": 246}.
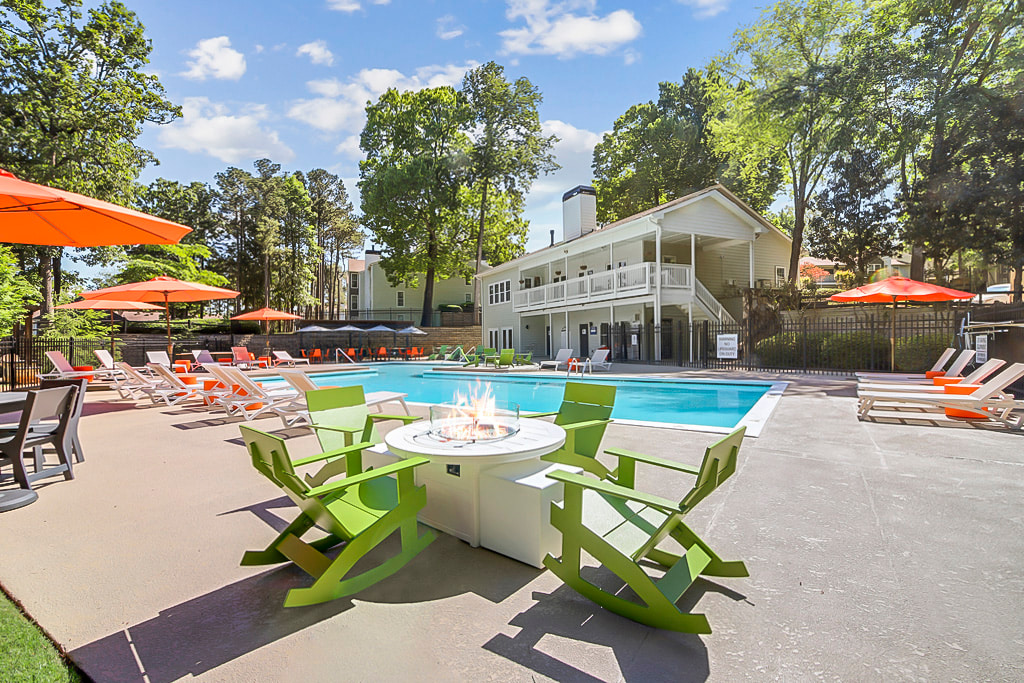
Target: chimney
{"x": 552, "y": 238}
{"x": 579, "y": 212}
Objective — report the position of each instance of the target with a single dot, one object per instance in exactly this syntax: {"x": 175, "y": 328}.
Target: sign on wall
{"x": 728, "y": 346}
{"x": 981, "y": 348}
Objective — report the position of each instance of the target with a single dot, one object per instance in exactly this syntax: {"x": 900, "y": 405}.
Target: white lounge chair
{"x": 283, "y": 357}
{"x": 176, "y": 390}
{"x": 976, "y": 377}
{"x": 561, "y": 358}
{"x": 987, "y": 401}
{"x": 598, "y": 360}
{"x": 62, "y": 369}
{"x": 302, "y": 383}
{"x": 256, "y": 400}
{"x": 158, "y": 358}
{"x": 133, "y": 384}
{"x": 939, "y": 364}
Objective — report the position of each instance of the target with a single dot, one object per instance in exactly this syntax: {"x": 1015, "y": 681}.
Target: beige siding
{"x": 384, "y": 296}
{"x": 770, "y": 250}
{"x": 707, "y": 217}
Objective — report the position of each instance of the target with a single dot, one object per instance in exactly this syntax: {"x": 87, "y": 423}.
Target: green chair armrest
{"x": 652, "y": 460}
{"x": 584, "y": 425}
{"x": 404, "y": 418}
{"x": 548, "y": 414}
{"x": 335, "y": 428}
{"x": 615, "y": 490}
{"x": 366, "y": 476}
{"x": 332, "y": 454}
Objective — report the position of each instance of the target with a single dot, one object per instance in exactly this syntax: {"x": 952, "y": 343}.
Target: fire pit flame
{"x": 474, "y": 417}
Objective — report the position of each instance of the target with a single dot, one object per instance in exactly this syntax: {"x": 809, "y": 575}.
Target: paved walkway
{"x": 876, "y": 552}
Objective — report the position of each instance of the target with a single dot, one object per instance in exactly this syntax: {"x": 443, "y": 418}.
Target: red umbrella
{"x": 897, "y": 288}
{"x": 162, "y": 289}
{"x": 37, "y": 214}
{"x": 109, "y": 305}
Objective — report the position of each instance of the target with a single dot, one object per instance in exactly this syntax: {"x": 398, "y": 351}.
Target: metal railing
{"x": 638, "y": 279}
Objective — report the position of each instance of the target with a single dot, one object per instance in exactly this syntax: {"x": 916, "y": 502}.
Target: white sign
{"x": 633, "y": 340}
{"x": 728, "y": 346}
{"x": 981, "y": 348}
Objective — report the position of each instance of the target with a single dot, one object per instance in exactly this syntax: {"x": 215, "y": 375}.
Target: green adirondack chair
{"x": 622, "y": 528}
{"x": 358, "y": 511}
{"x": 338, "y": 416}
{"x": 439, "y": 354}
{"x": 584, "y": 414}
{"x": 505, "y": 359}
{"x": 523, "y": 358}
{"x": 478, "y": 356}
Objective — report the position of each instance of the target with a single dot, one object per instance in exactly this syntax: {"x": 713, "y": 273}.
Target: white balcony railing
{"x": 632, "y": 280}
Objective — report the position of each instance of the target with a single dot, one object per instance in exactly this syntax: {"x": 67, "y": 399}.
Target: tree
{"x": 852, "y": 219}
{"x": 73, "y": 99}
{"x": 16, "y": 292}
{"x": 786, "y": 93}
{"x": 509, "y": 151}
{"x": 659, "y": 151}
{"x": 298, "y": 252}
{"x": 416, "y": 163}
{"x": 337, "y": 234}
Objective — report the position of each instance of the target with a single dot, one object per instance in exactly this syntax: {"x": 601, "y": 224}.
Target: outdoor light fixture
{"x": 583, "y": 267}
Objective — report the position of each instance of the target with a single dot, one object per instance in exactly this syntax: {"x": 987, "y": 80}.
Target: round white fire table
{"x": 452, "y": 477}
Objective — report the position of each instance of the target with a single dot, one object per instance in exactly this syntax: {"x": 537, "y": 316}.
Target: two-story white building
{"x": 686, "y": 260}
{"x": 371, "y": 295}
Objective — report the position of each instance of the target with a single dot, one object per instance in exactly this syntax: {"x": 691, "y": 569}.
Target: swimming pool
{"x": 708, "y": 405}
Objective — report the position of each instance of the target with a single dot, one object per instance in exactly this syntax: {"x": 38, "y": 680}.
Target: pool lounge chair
{"x": 176, "y": 390}
{"x": 241, "y": 358}
{"x": 285, "y": 358}
{"x": 303, "y": 384}
{"x": 561, "y": 358}
{"x": 62, "y": 369}
{"x": 456, "y": 355}
{"x": 477, "y": 357}
{"x": 251, "y": 400}
{"x": 627, "y": 531}
{"x": 937, "y": 367}
{"x": 962, "y": 360}
{"x": 988, "y": 401}
{"x": 134, "y": 385}
{"x": 107, "y": 363}
{"x": 440, "y": 353}
{"x": 977, "y": 377}
{"x": 523, "y": 358}
{"x": 598, "y": 360}
{"x": 357, "y": 513}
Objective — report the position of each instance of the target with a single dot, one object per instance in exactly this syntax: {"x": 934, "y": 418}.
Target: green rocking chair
{"x": 622, "y": 528}
{"x": 584, "y": 414}
{"x": 359, "y": 511}
{"x": 339, "y": 415}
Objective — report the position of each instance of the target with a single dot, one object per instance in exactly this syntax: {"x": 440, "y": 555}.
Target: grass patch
{"x": 27, "y": 654}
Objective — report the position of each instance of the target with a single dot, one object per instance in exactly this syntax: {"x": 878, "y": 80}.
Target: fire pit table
{"x": 513, "y": 517}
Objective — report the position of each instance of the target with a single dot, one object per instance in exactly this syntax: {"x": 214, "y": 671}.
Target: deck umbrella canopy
{"x": 265, "y": 315}
{"x": 109, "y": 305}
{"x": 894, "y": 289}
{"x": 162, "y": 289}
{"x": 37, "y": 214}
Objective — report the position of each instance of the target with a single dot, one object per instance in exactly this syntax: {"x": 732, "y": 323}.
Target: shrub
{"x": 853, "y": 351}
{"x": 449, "y": 308}
{"x": 839, "y": 351}
{"x": 918, "y": 353}
{"x": 846, "y": 279}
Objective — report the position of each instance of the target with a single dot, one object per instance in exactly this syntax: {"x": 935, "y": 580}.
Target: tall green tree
{"x": 73, "y": 100}
{"x": 509, "y": 149}
{"x": 659, "y": 151}
{"x": 337, "y": 235}
{"x": 294, "y": 266}
{"x": 16, "y": 292}
{"x": 417, "y": 155}
{"x": 852, "y": 219}
{"x": 786, "y": 92}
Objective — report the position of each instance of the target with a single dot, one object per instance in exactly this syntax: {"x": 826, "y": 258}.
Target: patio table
{"x": 457, "y": 472}
{"x": 14, "y": 401}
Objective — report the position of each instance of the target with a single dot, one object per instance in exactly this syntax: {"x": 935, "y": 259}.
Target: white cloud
{"x": 349, "y": 147}
{"x": 317, "y": 52}
{"x": 448, "y": 29}
{"x": 352, "y": 5}
{"x": 705, "y": 9}
{"x": 553, "y": 29}
{"x": 211, "y": 128}
{"x": 630, "y": 56}
{"x": 214, "y": 58}
{"x": 340, "y": 105}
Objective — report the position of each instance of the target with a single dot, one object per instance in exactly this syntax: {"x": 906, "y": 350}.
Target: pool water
{"x": 698, "y": 403}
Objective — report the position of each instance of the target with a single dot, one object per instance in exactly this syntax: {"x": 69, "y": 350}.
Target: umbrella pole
{"x": 892, "y": 345}
{"x": 167, "y": 315}
{"x": 111, "y": 332}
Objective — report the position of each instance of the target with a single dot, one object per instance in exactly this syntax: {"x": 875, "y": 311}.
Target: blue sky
{"x": 289, "y": 80}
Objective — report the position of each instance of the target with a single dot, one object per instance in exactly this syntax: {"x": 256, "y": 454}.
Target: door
{"x": 584, "y": 337}
{"x": 547, "y": 342}
{"x": 506, "y": 338}
{"x": 494, "y": 338}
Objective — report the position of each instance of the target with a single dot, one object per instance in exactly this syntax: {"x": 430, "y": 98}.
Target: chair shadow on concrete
{"x": 201, "y": 634}
{"x": 641, "y": 653}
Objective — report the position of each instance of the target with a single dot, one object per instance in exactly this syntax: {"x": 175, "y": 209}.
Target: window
{"x": 668, "y": 258}
{"x": 780, "y": 275}
{"x": 506, "y": 338}
{"x": 469, "y": 297}
{"x": 401, "y": 300}
{"x": 872, "y": 267}
{"x": 353, "y": 281}
{"x": 499, "y": 292}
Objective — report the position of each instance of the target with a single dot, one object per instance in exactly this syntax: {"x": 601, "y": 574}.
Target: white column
{"x": 657, "y": 290}
{"x": 611, "y": 330}
{"x": 751, "y": 264}
{"x": 693, "y": 262}
{"x": 567, "y": 337}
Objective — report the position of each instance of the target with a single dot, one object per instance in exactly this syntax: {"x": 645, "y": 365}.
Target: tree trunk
{"x": 58, "y": 272}
{"x": 480, "y": 243}
{"x": 798, "y": 237}
{"x": 1017, "y": 281}
{"x": 46, "y": 281}
{"x": 917, "y": 263}
{"x": 428, "y": 286}
{"x": 266, "y": 279}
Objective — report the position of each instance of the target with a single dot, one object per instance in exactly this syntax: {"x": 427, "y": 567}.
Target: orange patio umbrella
{"x": 162, "y": 289}
{"x": 266, "y": 315}
{"x": 897, "y": 288}
{"x": 36, "y": 214}
{"x": 110, "y": 305}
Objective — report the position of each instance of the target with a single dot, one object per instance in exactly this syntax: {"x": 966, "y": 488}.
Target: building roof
{"x": 356, "y": 265}
{"x": 719, "y": 189}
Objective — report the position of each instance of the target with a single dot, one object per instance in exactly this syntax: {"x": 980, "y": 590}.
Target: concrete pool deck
{"x": 877, "y": 551}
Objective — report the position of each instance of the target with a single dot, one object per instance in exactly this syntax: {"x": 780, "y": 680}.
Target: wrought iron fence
{"x": 413, "y": 316}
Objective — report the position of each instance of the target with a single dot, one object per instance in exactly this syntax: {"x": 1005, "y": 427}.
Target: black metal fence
{"x": 825, "y": 346}
{"x": 413, "y": 316}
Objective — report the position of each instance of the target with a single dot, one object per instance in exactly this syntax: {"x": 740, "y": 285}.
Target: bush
{"x": 824, "y": 350}
{"x": 846, "y": 279}
{"x": 853, "y": 351}
{"x": 450, "y": 308}
{"x": 917, "y": 354}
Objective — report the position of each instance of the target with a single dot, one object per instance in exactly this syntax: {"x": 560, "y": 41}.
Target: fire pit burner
{"x": 473, "y": 423}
